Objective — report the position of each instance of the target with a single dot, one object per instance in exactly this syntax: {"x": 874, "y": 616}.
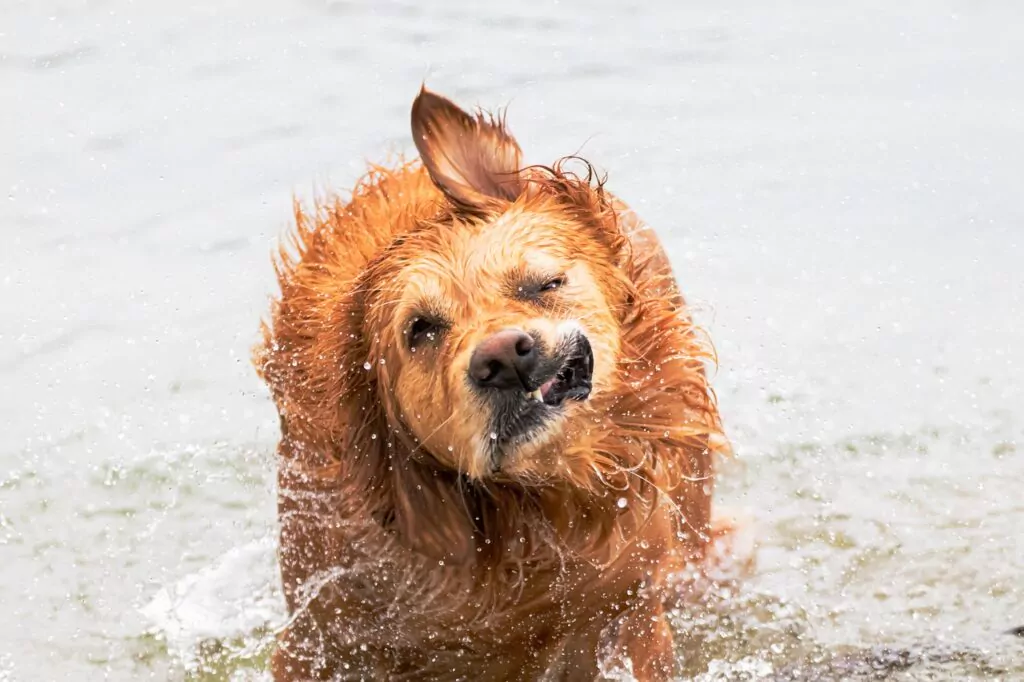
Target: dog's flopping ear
{"x": 472, "y": 159}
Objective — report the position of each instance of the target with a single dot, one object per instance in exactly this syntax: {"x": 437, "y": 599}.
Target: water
{"x": 838, "y": 188}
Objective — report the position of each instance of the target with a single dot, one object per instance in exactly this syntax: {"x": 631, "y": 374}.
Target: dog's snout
{"x": 504, "y": 360}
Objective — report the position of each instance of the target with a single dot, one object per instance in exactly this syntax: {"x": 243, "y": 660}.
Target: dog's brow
{"x": 423, "y": 285}
{"x": 426, "y": 292}
{"x": 515, "y": 276}
{"x": 432, "y": 307}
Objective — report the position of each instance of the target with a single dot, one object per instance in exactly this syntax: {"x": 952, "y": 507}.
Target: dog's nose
{"x": 504, "y": 360}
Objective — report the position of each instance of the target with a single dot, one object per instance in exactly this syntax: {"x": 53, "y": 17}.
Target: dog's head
{"x": 473, "y": 320}
{"x": 497, "y": 322}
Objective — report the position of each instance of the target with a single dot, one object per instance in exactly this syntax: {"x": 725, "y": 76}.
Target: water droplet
{"x": 373, "y": 436}
{"x": 494, "y": 436}
{"x": 382, "y": 361}
{"x": 622, "y": 503}
{"x": 367, "y": 366}
{"x": 451, "y": 449}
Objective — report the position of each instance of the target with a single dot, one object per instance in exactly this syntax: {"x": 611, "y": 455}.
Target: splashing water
{"x": 231, "y": 604}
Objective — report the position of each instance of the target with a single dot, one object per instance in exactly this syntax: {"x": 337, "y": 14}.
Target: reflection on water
{"x": 837, "y": 188}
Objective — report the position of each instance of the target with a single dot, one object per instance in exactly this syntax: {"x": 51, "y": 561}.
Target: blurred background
{"x": 838, "y": 185}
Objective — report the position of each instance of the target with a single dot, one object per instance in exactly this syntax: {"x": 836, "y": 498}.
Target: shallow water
{"x": 837, "y": 186}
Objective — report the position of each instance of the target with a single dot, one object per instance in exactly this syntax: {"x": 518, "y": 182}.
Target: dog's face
{"x": 499, "y": 321}
{"x": 503, "y": 331}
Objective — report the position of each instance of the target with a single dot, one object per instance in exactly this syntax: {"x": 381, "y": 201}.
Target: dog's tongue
{"x": 545, "y": 388}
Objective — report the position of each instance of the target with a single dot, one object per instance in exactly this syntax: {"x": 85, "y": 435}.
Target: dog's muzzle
{"x": 527, "y": 386}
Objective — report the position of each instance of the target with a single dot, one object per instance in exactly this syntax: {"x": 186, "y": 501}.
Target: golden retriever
{"x": 496, "y": 429}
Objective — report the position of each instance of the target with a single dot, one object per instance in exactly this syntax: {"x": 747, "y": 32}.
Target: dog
{"x": 497, "y": 432}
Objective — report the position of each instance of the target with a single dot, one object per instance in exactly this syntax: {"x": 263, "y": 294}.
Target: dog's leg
{"x": 300, "y": 656}
{"x": 642, "y": 644}
{"x": 286, "y": 665}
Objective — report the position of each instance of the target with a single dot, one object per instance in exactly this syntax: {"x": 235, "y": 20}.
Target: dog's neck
{"x": 444, "y": 515}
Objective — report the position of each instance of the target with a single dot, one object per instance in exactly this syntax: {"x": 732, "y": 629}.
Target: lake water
{"x": 838, "y": 185}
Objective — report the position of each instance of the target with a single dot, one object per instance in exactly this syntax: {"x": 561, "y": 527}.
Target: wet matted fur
{"x": 414, "y": 546}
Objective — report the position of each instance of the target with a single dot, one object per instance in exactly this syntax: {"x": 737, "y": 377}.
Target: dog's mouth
{"x": 573, "y": 381}
{"x": 567, "y": 377}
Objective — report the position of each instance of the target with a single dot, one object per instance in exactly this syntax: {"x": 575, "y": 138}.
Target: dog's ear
{"x": 472, "y": 159}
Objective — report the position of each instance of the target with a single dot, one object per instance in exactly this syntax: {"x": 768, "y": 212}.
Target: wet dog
{"x": 496, "y": 430}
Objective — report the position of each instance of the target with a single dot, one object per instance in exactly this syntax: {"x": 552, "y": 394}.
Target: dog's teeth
{"x": 537, "y": 396}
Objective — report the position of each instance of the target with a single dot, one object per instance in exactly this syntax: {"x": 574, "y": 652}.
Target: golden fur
{"x": 404, "y": 552}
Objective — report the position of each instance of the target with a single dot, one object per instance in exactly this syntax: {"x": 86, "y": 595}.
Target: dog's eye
{"x": 423, "y": 330}
{"x": 533, "y": 286}
{"x": 552, "y": 284}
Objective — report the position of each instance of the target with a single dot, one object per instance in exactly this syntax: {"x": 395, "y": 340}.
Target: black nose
{"x": 504, "y": 360}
